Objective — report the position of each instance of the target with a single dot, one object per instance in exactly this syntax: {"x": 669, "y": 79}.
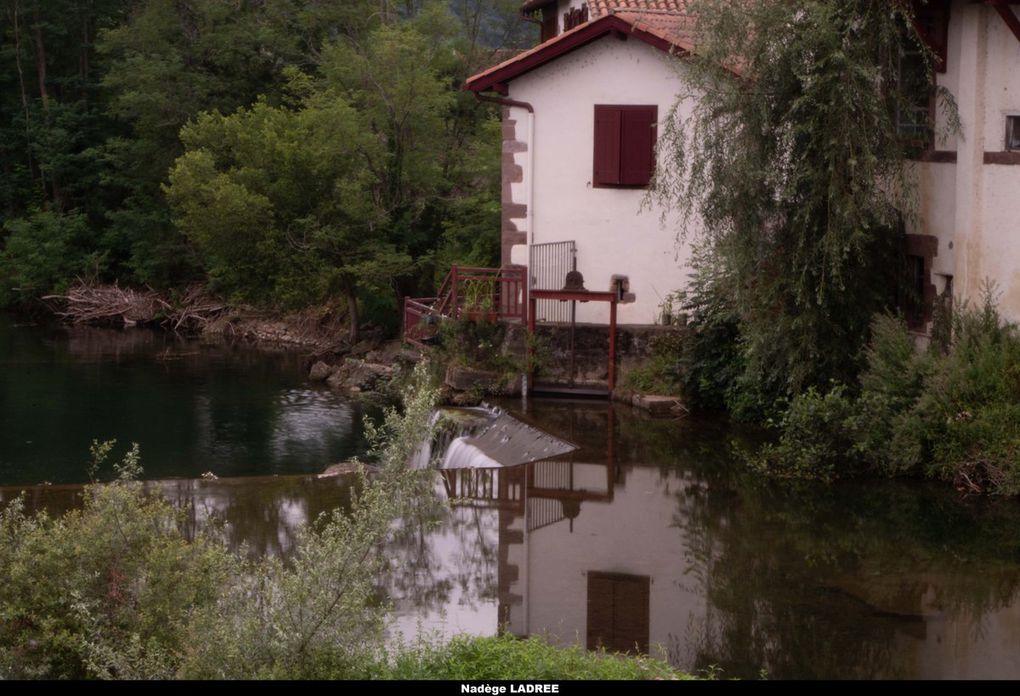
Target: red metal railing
{"x": 470, "y": 293}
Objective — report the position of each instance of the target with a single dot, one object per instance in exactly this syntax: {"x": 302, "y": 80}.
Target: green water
{"x": 650, "y": 533}
{"x": 192, "y": 408}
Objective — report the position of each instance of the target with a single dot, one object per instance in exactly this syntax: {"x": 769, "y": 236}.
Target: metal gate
{"x": 548, "y": 267}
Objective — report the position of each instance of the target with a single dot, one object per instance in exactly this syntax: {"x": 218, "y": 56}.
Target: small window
{"x": 624, "y": 145}
{"x": 550, "y": 23}
{"x": 931, "y": 19}
{"x": 915, "y": 282}
{"x": 913, "y": 102}
{"x": 1013, "y": 133}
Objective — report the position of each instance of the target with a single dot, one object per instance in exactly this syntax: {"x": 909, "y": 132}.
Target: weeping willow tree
{"x": 793, "y": 163}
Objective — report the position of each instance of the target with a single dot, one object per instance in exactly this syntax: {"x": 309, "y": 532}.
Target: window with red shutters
{"x": 624, "y": 145}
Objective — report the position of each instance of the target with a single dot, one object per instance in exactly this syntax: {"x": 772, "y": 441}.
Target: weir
{"x": 488, "y": 438}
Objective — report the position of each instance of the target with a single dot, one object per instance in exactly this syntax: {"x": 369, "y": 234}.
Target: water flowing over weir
{"x": 486, "y": 438}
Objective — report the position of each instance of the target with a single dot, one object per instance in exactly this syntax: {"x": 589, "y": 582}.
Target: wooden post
{"x": 454, "y": 310}
{"x": 612, "y": 346}
{"x": 531, "y": 339}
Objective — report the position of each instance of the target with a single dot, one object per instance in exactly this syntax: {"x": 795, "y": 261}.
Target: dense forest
{"x": 280, "y": 152}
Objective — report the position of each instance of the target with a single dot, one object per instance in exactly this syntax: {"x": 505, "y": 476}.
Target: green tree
{"x": 797, "y": 169}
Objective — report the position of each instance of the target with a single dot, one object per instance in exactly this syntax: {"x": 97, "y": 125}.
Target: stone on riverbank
{"x": 320, "y": 372}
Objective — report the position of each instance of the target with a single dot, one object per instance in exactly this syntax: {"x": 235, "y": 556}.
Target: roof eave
{"x": 566, "y": 43}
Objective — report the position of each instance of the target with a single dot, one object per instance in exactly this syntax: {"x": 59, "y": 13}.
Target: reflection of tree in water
{"x": 819, "y": 581}
{"x": 262, "y": 515}
{"x": 442, "y": 548}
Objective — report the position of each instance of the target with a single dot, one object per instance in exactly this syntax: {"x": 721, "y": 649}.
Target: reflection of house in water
{"x": 587, "y": 550}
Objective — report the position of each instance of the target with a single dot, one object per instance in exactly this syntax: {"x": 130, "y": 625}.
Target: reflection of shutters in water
{"x": 618, "y": 612}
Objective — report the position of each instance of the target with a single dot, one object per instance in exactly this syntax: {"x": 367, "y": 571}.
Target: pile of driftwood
{"x": 90, "y": 303}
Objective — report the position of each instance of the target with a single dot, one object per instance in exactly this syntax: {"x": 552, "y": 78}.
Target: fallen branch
{"x": 89, "y": 303}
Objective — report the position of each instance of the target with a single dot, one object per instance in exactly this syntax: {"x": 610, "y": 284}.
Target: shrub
{"x": 105, "y": 591}
{"x": 663, "y": 372}
{"x": 815, "y": 442}
{"x": 949, "y": 414}
{"x": 506, "y": 658}
{"x": 43, "y": 253}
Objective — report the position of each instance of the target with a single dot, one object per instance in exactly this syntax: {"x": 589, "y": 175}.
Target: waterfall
{"x": 487, "y": 438}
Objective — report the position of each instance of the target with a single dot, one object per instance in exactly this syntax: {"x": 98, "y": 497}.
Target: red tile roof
{"x": 667, "y": 31}
{"x": 598, "y": 8}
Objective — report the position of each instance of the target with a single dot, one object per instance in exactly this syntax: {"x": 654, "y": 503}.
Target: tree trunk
{"x": 24, "y": 93}
{"x": 40, "y": 58}
{"x": 350, "y": 291}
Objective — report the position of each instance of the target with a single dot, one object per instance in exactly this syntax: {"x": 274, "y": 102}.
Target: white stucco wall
{"x": 973, "y": 207}
{"x": 613, "y": 234}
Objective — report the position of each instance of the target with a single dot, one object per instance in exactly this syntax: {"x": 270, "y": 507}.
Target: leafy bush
{"x": 663, "y": 372}
{"x": 952, "y": 415}
{"x": 118, "y": 589}
{"x": 815, "y": 440}
{"x": 506, "y": 657}
{"x": 43, "y": 253}
{"x": 105, "y": 591}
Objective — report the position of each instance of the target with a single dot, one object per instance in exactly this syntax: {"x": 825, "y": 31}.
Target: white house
{"x": 969, "y": 223}
{"x": 580, "y": 117}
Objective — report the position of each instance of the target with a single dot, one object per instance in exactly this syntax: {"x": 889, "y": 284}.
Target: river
{"x": 651, "y": 533}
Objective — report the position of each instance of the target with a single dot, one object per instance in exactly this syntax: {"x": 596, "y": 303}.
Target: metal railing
{"x": 502, "y": 488}
{"x": 470, "y": 293}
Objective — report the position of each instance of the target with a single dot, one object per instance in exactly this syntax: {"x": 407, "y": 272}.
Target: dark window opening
{"x": 931, "y": 19}
{"x": 914, "y": 283}
{"x": 914, "y": 101}
{"x": 624, "y": 145}
{"x": 1013, "y": 133}
{"x": 916, "y": 289}
{"x": 550, "y": 24}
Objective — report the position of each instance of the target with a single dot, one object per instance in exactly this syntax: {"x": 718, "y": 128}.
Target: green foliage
{"x": 274, "y": 200}
{"x": 375, "y": 169}
{"x": 42, "y": 254}
{"x": 712, "y": 359}
{"x": 662, "y": 373}
{"x": 104, "y": 591}
{"x": 508, "y": 658}
{"x": 796, "y": 170}
{"x": 949, "y": 415}
{"x": 815, "y": 442}
{"x": 474, "y": 343}
{"x": 119, "y": 589}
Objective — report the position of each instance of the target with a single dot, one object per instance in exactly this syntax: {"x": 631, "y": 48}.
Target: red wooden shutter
{"x": 607, "y": 145}
{"x": 637, "y": 138}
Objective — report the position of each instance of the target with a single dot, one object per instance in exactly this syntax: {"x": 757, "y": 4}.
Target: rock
{"x": 357, "y": 375}
{"x": 408, "y": 356}
{"x": 320, "y": 372}
{"x": 336, "y": 380}
{"x": 363, "y": 347}
{"x": 657, "y": 406}
{"x": 386, "y": 353}
{"x": 341, "y": 469}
